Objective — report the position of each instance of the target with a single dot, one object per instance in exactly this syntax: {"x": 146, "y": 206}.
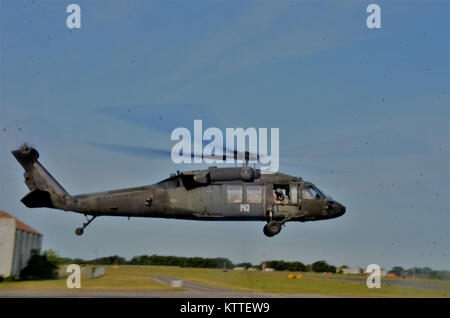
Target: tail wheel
{"x": 80, "y": 230}
{"x": 25, "y": 150}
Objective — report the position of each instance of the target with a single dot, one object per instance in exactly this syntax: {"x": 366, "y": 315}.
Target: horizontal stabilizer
{"x": 38, "y": 199}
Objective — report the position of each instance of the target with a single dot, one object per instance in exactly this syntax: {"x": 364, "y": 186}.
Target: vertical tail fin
{"x": 45, "y": 191}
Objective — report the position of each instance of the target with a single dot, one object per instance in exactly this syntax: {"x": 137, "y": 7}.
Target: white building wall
{"x": 27, "y": 248}
{"x": 354, "y": 271}
{"x": 17, "y": 248}
{"x": 36, "y": 243}
{"x": 7, "y": 236}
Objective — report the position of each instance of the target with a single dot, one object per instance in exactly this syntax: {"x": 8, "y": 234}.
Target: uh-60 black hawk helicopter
{"x": 214, "y": 194}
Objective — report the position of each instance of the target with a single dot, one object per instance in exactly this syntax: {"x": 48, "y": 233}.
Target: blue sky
{"x": 363, "y": 113}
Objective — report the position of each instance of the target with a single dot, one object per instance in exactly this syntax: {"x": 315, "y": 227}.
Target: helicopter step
{"x": 80, "y": 230}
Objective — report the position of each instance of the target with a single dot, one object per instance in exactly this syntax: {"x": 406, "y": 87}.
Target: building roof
{"x": 19, "y": 224}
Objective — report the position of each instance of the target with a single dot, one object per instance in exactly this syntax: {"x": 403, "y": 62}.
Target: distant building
{"x": 17, "y": 240}
{"x": 383, "y": 272}
{"x": 352, "y": 271}
{"x": 360, "y": 271}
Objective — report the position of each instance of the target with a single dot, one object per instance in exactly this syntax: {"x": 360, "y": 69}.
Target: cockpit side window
{"x": 309, "y": 193}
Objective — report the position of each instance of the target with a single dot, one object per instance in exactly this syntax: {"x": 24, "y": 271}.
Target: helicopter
{"x": 213, "y": 194}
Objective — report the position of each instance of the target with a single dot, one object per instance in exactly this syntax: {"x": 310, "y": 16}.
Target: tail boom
{"x": 45, "y": 191}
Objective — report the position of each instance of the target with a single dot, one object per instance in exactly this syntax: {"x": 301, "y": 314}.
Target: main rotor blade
{"x": 151, "y": 152}
{"x": 148, "y": 152}
{"x": 166, "y": 117}
{"x": 145, "y": 152}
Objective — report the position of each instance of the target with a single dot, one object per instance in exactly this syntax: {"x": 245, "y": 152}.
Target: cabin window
{"x": 234, "y": 194}
{"x": 254, "y": 194}
{"x": 283, "y": 196}
{"x": 294, "y": 194}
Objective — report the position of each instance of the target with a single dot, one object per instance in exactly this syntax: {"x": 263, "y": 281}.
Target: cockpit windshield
{"x": 313, "y": 193}
{"x": 323, "y": 193}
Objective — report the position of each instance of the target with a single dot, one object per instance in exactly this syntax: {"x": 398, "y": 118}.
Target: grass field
{"x": 137, "y": 278}
{"x": 114, "y": 279}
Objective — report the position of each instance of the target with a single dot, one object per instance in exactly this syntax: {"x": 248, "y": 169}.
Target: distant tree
{"x": 245, "y": 265}
{"x": 320, "y": 267}
{"x": 440, "y": 275}
{"x": 286, "y": 266}
{"x": 397, "y": 270}
{"x": 419, "y": 271}
{"x": 218, "y": 262}
{"x": 52, "y": 256}
{"x": 424, "y": 271}
{"x": 221, "y": 263}
{"x": 74, "y": 261}
{"x": 110, "y": 260}
{"x": 39, "y": 267}
{"x": 296, "y": 267}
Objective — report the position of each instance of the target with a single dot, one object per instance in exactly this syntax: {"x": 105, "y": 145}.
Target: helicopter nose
{"x": 341, "y": 209}
{"x": 336, "y": 209}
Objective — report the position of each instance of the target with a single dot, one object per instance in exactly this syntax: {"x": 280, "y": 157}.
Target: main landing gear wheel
{"x": 80, "y": 230}
{"x": 266, "y": 231}
{"x": 272, "y": 228}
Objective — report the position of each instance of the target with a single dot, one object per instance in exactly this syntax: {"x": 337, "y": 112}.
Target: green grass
{"x": 278, "y": 282}
{"x": 430, "y": 280}
{"x": 137, "y": 278}
{"x": 114, "y": 279}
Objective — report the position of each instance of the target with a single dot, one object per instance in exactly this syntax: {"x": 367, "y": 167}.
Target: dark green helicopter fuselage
{"x": 217, "y": 194}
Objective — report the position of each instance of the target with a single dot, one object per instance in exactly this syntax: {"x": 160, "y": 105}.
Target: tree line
{"x": 157, "y": 260}
{"x": 201, "y": 262}
{"x": 421, "y": 272}
{"x": 318, "y": 267}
